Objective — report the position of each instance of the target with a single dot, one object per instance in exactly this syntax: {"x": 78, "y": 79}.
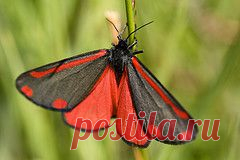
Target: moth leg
{"x": 137, "y": 52}
{"x": 132, "y": 45}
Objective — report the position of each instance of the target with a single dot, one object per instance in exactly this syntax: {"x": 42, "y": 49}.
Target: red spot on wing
{"x": 59, "y": 103}
{"x": 98, "y": 104}
{"x": 125, "y": 107}
{"x": 27, "y": 90}
{"x": 181, "y": 114}
{"x": 39, "y": 74}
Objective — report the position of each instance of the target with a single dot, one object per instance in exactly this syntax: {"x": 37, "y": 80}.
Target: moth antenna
{"x": 138, "y": 29}
{"x": 113, "y": 25}
{"x": 123, "y": 30}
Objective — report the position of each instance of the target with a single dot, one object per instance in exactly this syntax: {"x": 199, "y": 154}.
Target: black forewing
{"x": 147, "y": 99}
{"x": 67, "y": 84}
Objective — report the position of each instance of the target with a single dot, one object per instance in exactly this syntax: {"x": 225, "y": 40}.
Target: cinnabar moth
{"x": 103, "y": 84}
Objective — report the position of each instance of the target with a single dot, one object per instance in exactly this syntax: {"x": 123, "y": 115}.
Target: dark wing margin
{"x": 149, "y": 95}
{"x": 63, "y": 84}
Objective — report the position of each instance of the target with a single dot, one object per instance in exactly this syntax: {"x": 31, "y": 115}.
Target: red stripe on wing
{"x": 165, "y": 98}
{"x": 98, "y": 104}
{"x": 39, "y": 74}
{"x": 125, "y": 107}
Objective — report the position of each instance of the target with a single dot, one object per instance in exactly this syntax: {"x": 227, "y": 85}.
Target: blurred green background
{"x": 193, "y": 47}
